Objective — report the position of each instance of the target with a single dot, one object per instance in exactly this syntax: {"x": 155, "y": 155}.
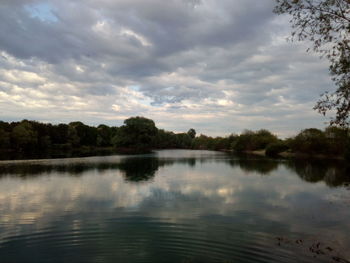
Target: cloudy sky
{"x": 217, "y": 66}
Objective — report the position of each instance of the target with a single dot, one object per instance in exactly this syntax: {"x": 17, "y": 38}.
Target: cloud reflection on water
{"x": 176, "y": 190}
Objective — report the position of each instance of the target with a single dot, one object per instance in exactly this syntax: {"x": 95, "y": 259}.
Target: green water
{"x": 174, "y": 206}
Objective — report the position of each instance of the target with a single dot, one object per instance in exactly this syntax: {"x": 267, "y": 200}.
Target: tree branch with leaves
{"x": 326, "y": 23}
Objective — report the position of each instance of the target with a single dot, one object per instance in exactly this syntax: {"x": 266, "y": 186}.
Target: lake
{"x": 174, "y": 206}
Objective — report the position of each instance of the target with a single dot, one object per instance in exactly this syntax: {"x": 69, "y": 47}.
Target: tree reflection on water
{"x": 140, "y": 169}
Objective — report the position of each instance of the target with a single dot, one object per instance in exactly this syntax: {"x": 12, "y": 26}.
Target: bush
{"x": 310, "y": 141}
{"x": 251, "y": 141}
{"x": 273, "y": 149}
{"x": 336, "y": 138}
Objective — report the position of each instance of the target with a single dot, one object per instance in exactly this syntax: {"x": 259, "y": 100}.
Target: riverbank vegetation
{"x": 139, "y": 135}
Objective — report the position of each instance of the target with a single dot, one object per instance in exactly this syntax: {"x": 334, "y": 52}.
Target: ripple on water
{"x": 180, "y": 214}
{"x": 139, "y": 239}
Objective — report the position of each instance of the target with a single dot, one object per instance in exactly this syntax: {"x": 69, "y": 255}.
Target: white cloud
{"x": 216, "y": 66}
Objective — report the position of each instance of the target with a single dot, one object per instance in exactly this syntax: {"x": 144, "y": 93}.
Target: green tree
{"x": 165, "y": 140}
{"x": 251, "y": 141}
{"x": 43, "y": 133}
{"x": 23, "y": 136}
{"x": 275, "y": 148}
{"x": 183, "y": 140}
{"x": 336, "y": 138}
{"x": 310, "y": 141}
{"x": 72, "y": 136}
{"x": 137, "y": 133}
{"x": 4, "y": 139}
{"x": 244, "y": 142}
{"x": 59, "y": 134}
{"x": 326, "y": 23}
{"x": 104, "y": 134}
{"x": 86, "y": 134}
{"x": 192, "y": 133}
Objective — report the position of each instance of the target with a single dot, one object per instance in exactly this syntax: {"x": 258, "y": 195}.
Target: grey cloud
{"x": 222, "y": 64}
{"x": 171, "y": 27}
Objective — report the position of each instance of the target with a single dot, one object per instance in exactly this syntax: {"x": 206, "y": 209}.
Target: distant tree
{"x": 326, "y": 23}
{"x": 4, "y": 139}
{"x": 310, "y": 141}
{"x": 232, "y": 138}
{"x": 183, "y": 140}
{"x": 334, "y": 132}
{"x": 264, "y": 138}
{"x": 137, "y": 132}
{"x": 217, "y": 143}
{"x": 275, "y": 148}
{"x": 86, "y": 134}
{"x": 244, "y": 142}
{"x": 192, "y": 133}
{"x": 59, "y": 134}
{"x": 251, "y": 141}
{"x": 104, "y": 135}
{"x": 336, "y": 138}
{"x": 5, "y": 126}
{"x": 165, "y": 140}
{"x": 43, "y": 133}
{"x": 199, "y": 141}
{"x": 72, "y": 136}
{"x": 23, "y": 136}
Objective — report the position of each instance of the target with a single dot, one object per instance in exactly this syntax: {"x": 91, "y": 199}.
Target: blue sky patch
{"x": 43, "y": 11}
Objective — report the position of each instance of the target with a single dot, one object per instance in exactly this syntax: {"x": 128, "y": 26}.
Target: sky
{"x": 219, "y": 67}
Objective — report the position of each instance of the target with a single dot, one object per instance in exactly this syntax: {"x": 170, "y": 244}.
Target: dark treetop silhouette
{"x": 140, "y": 135}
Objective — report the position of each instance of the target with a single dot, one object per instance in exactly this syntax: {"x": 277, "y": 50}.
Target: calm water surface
{"x": 174, "y": 206}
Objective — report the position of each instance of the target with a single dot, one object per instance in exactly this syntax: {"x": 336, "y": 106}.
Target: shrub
{"x": 310, "y": 141}
{"x": 251, "y": 141}
{"x": 273, "y": 149}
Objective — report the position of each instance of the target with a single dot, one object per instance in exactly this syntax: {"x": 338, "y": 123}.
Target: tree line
{"x": 139, "y": 134}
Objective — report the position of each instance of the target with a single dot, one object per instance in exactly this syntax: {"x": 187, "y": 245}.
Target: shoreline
{"x": 291, "y": 155}
{"x": 88, "y": 151}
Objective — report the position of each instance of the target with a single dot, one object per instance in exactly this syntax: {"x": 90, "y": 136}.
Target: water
{"x": 174, "y": 206}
